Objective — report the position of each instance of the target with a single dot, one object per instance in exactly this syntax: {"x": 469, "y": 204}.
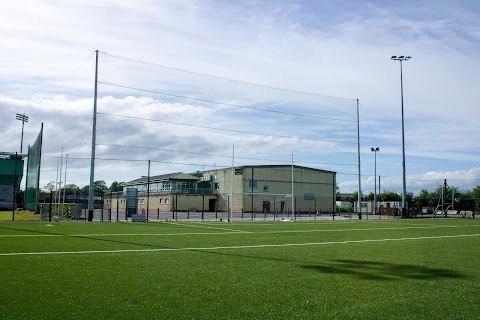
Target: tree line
{"x": 100, "y": 187}
{"x": 462, "y": 200}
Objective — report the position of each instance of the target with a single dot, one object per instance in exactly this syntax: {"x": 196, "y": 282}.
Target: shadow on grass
{"x": 98, "y": 239}
{"x": 362, "y": 269}
{"x": 374, "y": 270}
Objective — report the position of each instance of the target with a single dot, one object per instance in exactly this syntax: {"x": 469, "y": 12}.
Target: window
{"x": 217, "y": 186}
{"x": 308, "y": 196}
{"x": 161, "y": 201}
{"x": 165, "y": 186}
{"x": 167, "y": 201}
{"x": 252, "y": 184}
{"x": 265, "y": 188}
{"x": 183, "y": 186}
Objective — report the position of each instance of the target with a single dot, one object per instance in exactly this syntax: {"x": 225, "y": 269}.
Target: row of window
{"x": 140, "y": 201}
{"x": 155, "y": 187}
{"x": 252, "y": 184}
{"x": 165, "y": 186}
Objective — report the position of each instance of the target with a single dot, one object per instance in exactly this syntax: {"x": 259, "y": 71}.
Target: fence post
{"x": 101, "y": 206}
{"x": 117, "y": 206}
{"x": 50, "y": 205}
{"x": 176, "y": 207}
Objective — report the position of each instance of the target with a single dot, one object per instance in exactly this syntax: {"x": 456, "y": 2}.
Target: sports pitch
{"x": 376, "y": 269}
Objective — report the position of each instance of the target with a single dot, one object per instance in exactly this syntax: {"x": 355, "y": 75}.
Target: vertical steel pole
{"x": 231, "y": 187}
{"x": 14, "y": 202}
{"x": 359, "y": 171}
{"x": 375, "y": 191}
{"x": 380, "y": 194}
{"x": 404, "y": 191}
{"x": 50, "y": 206}
{"x": 117, "y": 206}
{"x": 293, "y": 195}
{"x": 148, "y": 188}
{"x": 23, "y": 124}
{"x": 59, "y": 197}
{"x": 252, "y": 193}
{"x": 94, "y": 133}
{"x": 65, "y": 181}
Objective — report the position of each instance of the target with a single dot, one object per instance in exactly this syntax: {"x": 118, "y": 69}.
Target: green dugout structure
{"x": 11, "y": 174}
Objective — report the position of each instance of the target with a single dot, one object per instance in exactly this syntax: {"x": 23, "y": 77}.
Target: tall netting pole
{"x": 92, "y": 159}
{"x": 148, "y": 189}
{"x": 231, "y": 187}
{"x": 359, "y": 172}
{"x": 294, "y": 218}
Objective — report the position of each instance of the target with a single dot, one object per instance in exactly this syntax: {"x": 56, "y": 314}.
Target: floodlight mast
{"x": 23, "y": 118}
{"x": 404, "y": 190}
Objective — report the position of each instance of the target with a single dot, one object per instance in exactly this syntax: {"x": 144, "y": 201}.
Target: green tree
{"x": 475, "y": 193}
{"x": 72, "y": 189}
{"x": 99, "y": 188}
{"x": 370, "y": 197}
{"x": 387, "y": 195}
{"x": 49, "y": 186}
{"x": 115, "y": 186}
{"x": 85, "y": 190}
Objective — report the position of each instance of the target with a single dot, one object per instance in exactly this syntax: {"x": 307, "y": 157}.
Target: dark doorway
{"x": 266, "y": 206}
{"x": 212, "y": 204}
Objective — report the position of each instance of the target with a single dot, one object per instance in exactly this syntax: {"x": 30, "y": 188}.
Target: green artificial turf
{"x": 389, "y": 269}
{"x": 18, "y": 216}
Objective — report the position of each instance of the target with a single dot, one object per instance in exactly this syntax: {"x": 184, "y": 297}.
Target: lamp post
{"x": 23, "y": 118}
{"x": 375, "y": 179}
{"x": 404, "y": 191}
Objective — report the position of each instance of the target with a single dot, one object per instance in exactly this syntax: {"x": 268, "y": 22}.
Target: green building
{"x": 11, "y": 174}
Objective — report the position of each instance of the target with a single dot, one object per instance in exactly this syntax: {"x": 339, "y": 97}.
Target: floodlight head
{"x": 401, "y": 58}
{"x": 21, "y": 117}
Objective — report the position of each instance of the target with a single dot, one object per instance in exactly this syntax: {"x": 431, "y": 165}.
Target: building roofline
{"x": 271, "y": 166}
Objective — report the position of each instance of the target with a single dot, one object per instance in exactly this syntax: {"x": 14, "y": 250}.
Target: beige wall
{"x": 273, "y": 183}
{"x": 273, "y": 187}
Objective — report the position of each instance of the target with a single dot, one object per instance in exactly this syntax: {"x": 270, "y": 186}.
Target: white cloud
{"x": 340, "y": 49}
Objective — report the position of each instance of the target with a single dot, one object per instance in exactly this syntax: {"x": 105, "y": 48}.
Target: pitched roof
{"x": 160, "y": 178}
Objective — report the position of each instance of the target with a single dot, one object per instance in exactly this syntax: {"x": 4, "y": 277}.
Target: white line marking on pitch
{"x": 236, "y": 247}
{"x": 205, "y": 227}
{"x": 231, "y": 231}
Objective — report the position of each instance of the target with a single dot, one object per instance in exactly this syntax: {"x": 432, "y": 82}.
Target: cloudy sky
{"x": 167, "y": 93}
